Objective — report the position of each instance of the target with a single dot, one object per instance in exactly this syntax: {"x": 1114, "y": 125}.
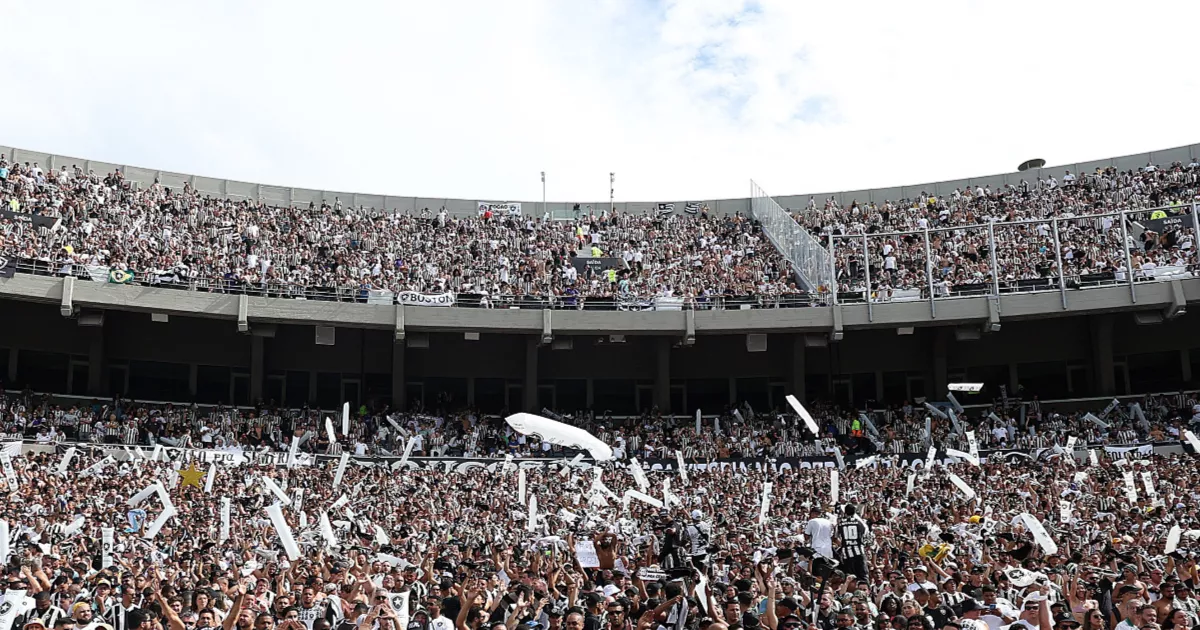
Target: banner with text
{"x": 412, "y": 298}
{"x": 499, "y": 208}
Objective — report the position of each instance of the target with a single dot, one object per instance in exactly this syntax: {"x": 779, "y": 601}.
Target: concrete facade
{"x": 1095, "y": 347}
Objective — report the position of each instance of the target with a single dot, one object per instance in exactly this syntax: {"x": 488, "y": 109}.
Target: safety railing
{"x": 178, "y": 281}
{"x": 1058, "y": 253}
{"x": 799, "y": 247}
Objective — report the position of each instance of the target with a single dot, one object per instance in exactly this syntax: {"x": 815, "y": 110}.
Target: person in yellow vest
{"x": 856, "y": 428}
{"x": 596, "y": 251}
{"x": 612, "y": 275}
{"x": 14, "y": 205}
{"x": 1158, "y": 214}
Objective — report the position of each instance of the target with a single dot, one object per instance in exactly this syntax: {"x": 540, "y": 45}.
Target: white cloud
{"x": 683, "y": 99}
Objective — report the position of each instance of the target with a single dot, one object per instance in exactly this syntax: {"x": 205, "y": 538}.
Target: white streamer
{"x": 327, "y": 530}
{"x": 152, "y": 529}
{"x": 106, "y": 547}
{"x": 341, "y": 469}
{"x": 962, "y": 486}
{"x": 833, "y": 487}
{"x": 9, "y": 474}
{"x": 4, "y": 551}
{"x": 766, "y": 502}
{"x": 65, "y": 461}
{"x": 1173, "y": 539}
{"x": 208, "y": 481}
{"x": 682, "y": 467}
{"x": 408, "y": 449}
{"x": 804, "y": 415}
{"x": 531, "y": 523}
{"x": 643, "y": 497}
{"x": 973, "y": 459}
{"x": 275, "y": 513}
{"x": 1130, "y": 489}
{"x": 284, "y": 499}
{"x": 521, "y": 485}
{"x": 225, "y": 506}
{"x": 346, "y": 418}
{"x": 1064, "y": 511}
{"x": 1039, "y": 533}
{"x": 639, "y": 476}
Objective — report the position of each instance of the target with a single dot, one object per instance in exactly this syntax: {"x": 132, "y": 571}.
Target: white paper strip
{"x": 954, "y": 402}
{"x": 225, "y": 507}
{"x": 329, "y": 430}
{"x": 152, "y": 529}
{"x": 74, "y": 527}
{"x": 158, "y": 451}
{"x": 1039, "y": 533}
{"x": 9, "y": 609}
{"x": 929, "y": 460}
{"x": 136, "y": 499}
{"x": 381, "y": 536}
{"x": 1130, "y": 489}
{"x": 521, "y": 485}
{"x": 1191, "y": 439}
{"x": 327, "y": 530}
{"x": 298, "y": 500}
{"x": 804, "y": 415}
{"x": 531, "y": 523}
{"x": 1064, "y": 511}
{"x": 408, "y": 449}
{"x": 643, "y": 497}
{"x": 697, "y": 422}
{"x": 1091, "y": 417}
{"x": 682, "y": 466}
{"x": 65, "y": 461}
{"x": 972, "y": 445}
{"x": 208, "y": 479}
{"x": 639, "y": 476}
{"x": 965, "y": 387}
{"x": 4, "y": 551}
{"x": 1080, "y": 477}
{"x": 342, "y": 500}
{"x": 909, "y": 486}
{"x": 954, "y": 421}
{"x": 346, "y": 418}
{"x": 935, "y": 411}
{"x": 275, "y": 490}
{"x": 9, "y": 474}
{"x": 766, "y": 503}
{"x": 293, "y": 452}
{"x": 97, "y": 467}
{"x": 1095, "y": 461}
{"x": 106, "y": 547}
{"x": 341, "y": 469}
{"x": 1148, "y": 483}
{"x": 962, "y": 486}
{"x": 275, "y": 513}
{"x": 303, "y": 520}
{"x": 866, "y": 461}
{"x": 1071, "y": 440}
{"x": 974, "y": 460}
{"x": 833, "y": 487}
{"x": 1173, "y": 539}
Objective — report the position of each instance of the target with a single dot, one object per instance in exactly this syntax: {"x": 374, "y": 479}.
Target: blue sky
{"x": 472, "y": 99}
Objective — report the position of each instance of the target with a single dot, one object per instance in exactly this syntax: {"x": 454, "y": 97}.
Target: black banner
{"x": 37, "y": 220}
{"x": 1166, "y": 224}
{"x": 8, "y": 267}
{"x": 596, "y": 264}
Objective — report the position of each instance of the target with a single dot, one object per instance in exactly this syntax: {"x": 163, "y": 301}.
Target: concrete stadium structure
{"x": 69, "y": 336}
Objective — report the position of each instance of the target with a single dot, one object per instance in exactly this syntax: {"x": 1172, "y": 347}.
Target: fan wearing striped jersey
{"x": 855, "y": 537}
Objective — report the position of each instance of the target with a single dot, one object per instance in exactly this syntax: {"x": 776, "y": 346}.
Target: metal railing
{"x": 811, "y": 261}
{"x": 174, "y": 281}
{"x": 1006, "y": 251}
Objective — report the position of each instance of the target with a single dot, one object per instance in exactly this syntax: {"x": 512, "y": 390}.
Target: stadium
{"x": 525, "y": 315}
{"x": 1036, "y": 303}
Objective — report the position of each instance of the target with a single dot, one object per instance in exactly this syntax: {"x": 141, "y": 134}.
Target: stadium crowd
{"x": 961, "y": 258}
{"x": 104, "y": 540}
{"x": 159, "y": 235}
{"x": 734, "y": 432}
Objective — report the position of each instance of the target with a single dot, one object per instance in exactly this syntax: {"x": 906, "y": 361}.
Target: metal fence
{"x": 1010, "y": 257}
{"x": 810, "y": 260}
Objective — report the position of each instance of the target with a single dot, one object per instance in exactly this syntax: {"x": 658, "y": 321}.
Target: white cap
{"x": 697, "y": 514}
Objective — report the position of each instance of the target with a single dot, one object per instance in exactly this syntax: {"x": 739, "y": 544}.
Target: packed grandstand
{"x": 914, "y": 513}
{"x": 972, "y": 241}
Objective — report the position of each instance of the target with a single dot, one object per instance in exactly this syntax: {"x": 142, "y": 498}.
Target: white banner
{"x": 499, "y": 208}
{"x": 412, "y": 298}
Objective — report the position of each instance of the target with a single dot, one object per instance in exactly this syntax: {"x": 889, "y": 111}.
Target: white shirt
{"x": 820, "y": 533}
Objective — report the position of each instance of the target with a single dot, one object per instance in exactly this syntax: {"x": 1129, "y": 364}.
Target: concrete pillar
{"x": 530, "y": 392}
{"x": 1101, "y": 329}
{"x": 1185, "y": 364}
{"x": 662, "y": 374}
{"x": 256, "y": 369}
{"x": 96, "y": 363}
{"x": 941, "y": 343}
{"x": 797, "y": 367}
{"x": 399, "y": 384}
